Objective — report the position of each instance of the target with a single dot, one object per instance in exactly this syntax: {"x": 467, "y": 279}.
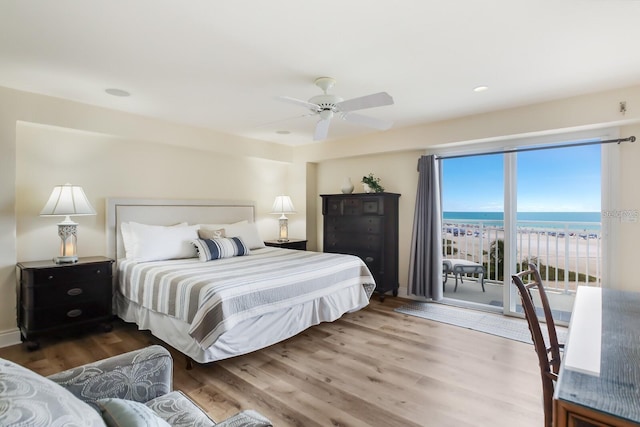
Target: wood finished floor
{"x": 375, "y": 367}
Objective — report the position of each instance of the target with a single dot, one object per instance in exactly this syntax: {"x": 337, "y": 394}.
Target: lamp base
{"x": 66, "y": 259}
{"x": 67, "y": 231}
{"x": 284, "y": 229}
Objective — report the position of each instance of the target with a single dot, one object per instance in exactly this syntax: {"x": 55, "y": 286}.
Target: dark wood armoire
{"x": 365, "y": 225}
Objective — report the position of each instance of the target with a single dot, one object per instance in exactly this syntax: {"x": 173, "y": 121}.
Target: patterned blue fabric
{"x": 121, "y": 412}
{"x": 179, "y": 411}
{"x": 78, "y": 396}
{"x": 210, "y": 249}
{"x": 28, "y": 399}
{"x": 139, "y": 375}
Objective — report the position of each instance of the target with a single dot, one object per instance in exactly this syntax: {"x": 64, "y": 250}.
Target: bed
{"x": 232, "y": 295}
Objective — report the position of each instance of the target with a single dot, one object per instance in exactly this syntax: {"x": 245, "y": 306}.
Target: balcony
{"x": 568, "y": 254}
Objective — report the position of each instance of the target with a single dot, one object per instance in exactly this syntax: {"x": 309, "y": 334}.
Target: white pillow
{"x": 247, "y": 231}
{"x": 218, "y": 226}
{"x": 156, "y": 242}
{"x": 128, "y": 240}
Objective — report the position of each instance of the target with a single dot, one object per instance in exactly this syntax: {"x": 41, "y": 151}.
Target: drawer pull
{"x": 368, "y": 259}
{"x": 74, "y": 292}
{"x": 98, "y": 271}
{"x": 74, "y": 313}
{"x": 50, "y": 278}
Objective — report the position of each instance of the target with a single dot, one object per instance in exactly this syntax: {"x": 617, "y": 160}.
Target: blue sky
{"x": 556, "y": 180}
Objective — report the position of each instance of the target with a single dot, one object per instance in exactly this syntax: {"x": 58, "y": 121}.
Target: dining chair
{"x": 549, "y": 356}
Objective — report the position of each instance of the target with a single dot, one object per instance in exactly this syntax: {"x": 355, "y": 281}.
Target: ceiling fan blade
{"x": 369, "y": 101}
{"x": 301, "y": 103}
{"x": 371, "y": 122}
{"x": 322, "y": 130}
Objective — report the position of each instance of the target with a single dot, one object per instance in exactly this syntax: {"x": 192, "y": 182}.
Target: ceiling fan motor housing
{"x": 326, "y": 102}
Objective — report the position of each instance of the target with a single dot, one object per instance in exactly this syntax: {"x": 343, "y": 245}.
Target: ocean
{"x": 573, "y": 220}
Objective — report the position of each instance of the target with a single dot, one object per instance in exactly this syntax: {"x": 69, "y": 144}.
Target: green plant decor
{"x": 373, "y": 183}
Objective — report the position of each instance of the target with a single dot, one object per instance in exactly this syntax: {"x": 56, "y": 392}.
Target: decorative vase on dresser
{"x": 347, "y": 186}
{"x": 365, "y": 225}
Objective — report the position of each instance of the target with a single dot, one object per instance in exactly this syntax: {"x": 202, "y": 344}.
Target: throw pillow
{"x": 210, "y": 249}
{"x": 205, "y": 233}
{"x": 127, "y": 413}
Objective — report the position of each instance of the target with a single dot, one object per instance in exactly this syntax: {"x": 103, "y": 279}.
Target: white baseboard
{"x": 10, "y": 337}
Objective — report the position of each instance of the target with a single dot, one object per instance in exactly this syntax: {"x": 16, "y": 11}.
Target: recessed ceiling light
{"x": 283, "y": 132}
{"x": 117, "y": 92}
{"x": 480, "y": 88}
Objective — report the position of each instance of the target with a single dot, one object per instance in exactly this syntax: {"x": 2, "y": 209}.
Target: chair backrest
{"x": 548, "y": 356}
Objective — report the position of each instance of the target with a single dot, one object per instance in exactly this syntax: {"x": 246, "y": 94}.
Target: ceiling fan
{"x": 326, "y": 106}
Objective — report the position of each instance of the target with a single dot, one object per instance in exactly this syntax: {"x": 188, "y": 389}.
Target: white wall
{"x": 7, "y": 225}
{"x": 107, "y": 166}
{"x": 628, "y": 235}
{"x": 119, "y": 155}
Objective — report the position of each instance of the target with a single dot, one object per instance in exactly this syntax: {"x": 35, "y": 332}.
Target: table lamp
{"x": 282, "y": 206}
{"x": 67, "y": 200}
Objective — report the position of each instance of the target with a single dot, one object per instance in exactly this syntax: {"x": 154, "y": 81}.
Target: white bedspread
{"x": 213, "y": 297}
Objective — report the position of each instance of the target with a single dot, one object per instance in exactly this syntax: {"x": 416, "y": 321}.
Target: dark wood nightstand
{"x": 298, "y": 244}
{"x": 53, "y": 297}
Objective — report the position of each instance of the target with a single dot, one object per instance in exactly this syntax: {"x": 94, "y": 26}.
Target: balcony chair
{"x": 549, "y": 357}
{"x": 460, "y": 267}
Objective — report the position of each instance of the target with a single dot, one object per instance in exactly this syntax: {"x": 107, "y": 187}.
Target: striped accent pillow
{"x": 210, "y": 249}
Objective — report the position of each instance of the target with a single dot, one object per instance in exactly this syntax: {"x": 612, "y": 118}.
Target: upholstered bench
{"x": 458, "y": 267}
{"x": 134, "y": 388}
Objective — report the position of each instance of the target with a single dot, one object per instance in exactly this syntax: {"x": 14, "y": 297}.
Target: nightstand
{"x": 298, "y": 244}
{"x": 55, "y": 297}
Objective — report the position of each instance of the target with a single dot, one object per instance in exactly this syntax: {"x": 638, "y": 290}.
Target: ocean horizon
{"x": 574, "y": 220}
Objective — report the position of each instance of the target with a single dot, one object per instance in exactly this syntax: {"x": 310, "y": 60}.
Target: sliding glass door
{"x": 473, "y": 227}
{"x": 503, "y": 211}
{"x": 558, "y": 224}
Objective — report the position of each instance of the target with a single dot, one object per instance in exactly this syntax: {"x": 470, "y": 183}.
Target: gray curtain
{"x": 425, "y": 264}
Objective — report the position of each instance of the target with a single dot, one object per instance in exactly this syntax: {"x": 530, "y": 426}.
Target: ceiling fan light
{"x": 326, "y": 114}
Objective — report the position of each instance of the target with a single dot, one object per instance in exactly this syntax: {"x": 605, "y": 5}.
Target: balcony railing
{"x": 567, "y": 254}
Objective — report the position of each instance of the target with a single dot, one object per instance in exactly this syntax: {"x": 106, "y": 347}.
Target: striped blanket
{"x": 213, "y": 297}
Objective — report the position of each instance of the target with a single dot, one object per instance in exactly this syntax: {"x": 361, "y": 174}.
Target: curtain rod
{"x": 518, "y": 150}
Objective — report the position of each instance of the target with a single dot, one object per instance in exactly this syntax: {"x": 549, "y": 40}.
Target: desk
{"x": 605, "y": 392}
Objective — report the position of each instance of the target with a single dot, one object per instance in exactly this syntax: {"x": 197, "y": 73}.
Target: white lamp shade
{"x": 67, "y": 200}
{"x": 283, "y": 205}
